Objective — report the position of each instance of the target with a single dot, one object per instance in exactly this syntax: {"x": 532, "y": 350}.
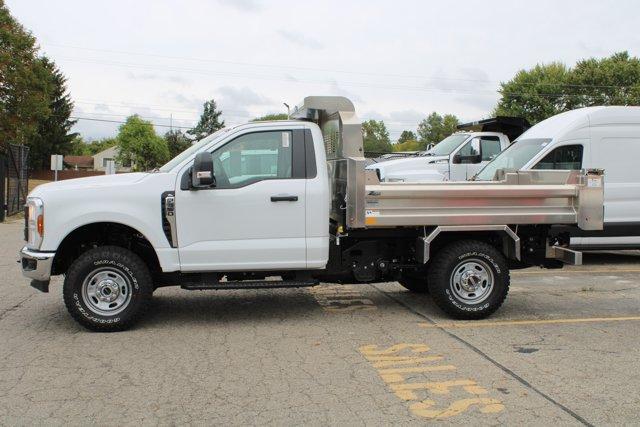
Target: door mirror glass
{"x": 202, "y": 171}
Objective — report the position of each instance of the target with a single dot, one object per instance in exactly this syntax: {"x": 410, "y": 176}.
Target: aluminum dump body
{"x": 360, "y": 200}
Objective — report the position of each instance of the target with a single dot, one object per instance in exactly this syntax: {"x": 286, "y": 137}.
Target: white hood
{"x": 413, "y": 169}
{"x": 99, "y": 181}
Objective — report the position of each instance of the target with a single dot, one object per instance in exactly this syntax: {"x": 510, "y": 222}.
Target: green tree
{"x": 54, "y": 134}
{"x": 408, "y": 145}
{"x": 209, "y": 121}
{"x": 24, "y": 82}
{"x": 140, "y": 146}
{"x": 177, "y": 142}
{"x": 376, "y": 137}
{"x": 79, "y": 147}
{"x": 95, "y": 147}
{"x": 535, "y": 94}
{"x": 435, "y": 128}
{"x": 407, "y": 135}
{"x": 608, "y": 81}
{"x": 272, "y": 116}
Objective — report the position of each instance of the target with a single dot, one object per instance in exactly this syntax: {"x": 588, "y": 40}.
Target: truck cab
{"x": 456, "y": 158}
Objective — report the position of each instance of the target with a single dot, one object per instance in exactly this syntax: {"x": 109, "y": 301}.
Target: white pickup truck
{"x": 289, "y": 204}
{"x": 458, "y": 157}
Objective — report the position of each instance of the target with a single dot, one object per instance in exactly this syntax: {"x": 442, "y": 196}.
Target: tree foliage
{"x": 407, "y": 135}
{"x": 34, "y": 105}
{"x": 549, "y": 89}
{"x": 408, "y": 145}
{"x": 54, "y": 134}
{"x": 272, "y": 116}
{"x": 435, "y": 128}
{"x": 535, "y": 94}
{"x": 209, "y": 121}
{"x": 177, "y": 142}
{"x": 376, "y": 137}
{"x": 140, "y": 146}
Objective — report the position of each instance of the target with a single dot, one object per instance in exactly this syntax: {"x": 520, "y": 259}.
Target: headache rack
{"x": 360, "y": 200}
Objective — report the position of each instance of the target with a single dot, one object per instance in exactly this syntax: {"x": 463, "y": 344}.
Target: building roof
{"x": 79, "y": 161}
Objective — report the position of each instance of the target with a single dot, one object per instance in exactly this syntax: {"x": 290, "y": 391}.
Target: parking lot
{"x": 564, "y": 350}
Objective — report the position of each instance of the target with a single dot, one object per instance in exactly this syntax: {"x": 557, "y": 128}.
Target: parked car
{"x": 458, "y": 157}
{"x": 595, "y": 137}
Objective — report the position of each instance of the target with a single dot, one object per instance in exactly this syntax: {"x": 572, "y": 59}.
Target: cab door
{"x": 254, "y": 217}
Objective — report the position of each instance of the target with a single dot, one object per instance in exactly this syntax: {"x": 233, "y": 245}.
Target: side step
{"x": 250, "y": 284}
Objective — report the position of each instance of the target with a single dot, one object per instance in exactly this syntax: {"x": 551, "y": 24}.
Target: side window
{"x": 471, "y": 148}
{"x": 253, "y": 157}
{"x": 490, "y": 147}
{"x": 567, "y": 157}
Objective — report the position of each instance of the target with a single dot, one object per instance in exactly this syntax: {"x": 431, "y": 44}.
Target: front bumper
{"x": 36, "y": 265}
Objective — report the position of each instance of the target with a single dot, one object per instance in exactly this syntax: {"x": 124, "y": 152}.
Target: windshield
{"x": 515, "y": 157}
{"x": 447, "y": 145}
{"x": 191, "y": 150}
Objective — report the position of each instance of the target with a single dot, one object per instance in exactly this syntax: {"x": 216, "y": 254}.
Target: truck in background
{"x": 595, "y": 137}
{"x": 458, "y": 157}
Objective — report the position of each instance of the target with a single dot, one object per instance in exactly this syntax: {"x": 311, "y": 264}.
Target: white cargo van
{"x": 595, "y": 137}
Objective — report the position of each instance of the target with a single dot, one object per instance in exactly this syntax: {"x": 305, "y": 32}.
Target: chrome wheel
{"x": 471, "y": 281}
{"x": 106, "y": 291}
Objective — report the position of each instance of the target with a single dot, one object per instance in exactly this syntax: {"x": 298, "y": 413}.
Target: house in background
{"x": 79, "y": 163}
{"x": 100, "y": 160}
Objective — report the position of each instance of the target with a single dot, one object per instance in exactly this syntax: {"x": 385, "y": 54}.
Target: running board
{"x": 250, "y": 284}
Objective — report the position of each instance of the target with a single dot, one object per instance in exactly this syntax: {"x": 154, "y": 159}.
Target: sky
{"x": 396, "y": 60}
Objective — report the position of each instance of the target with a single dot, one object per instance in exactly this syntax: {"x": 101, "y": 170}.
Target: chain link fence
{"x": 14, "y": 177}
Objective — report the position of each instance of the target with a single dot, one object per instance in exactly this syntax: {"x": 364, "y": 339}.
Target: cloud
{"x": 242, "y": 96}
{"x": 300, "y": 39}
{"x": 171, "y": 78}
{"x": 243, "y": 5}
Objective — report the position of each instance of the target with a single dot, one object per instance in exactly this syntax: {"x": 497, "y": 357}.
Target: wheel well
{"x": 497, "y": 239}
{"x": 93, "y": 235}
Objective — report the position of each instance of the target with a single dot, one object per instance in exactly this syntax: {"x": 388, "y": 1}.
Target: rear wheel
{"x": 107, "y": 289}
{"x": 469, "y": 279}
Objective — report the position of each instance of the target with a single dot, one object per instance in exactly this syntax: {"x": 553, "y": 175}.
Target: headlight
{"x": 35, "y": 222}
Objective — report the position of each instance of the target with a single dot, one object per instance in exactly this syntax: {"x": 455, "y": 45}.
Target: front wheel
{"x": 469, "y": 279}
{"x": 107, "y": 289}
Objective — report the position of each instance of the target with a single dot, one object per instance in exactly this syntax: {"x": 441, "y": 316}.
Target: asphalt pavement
{"x": 563, "y": 350}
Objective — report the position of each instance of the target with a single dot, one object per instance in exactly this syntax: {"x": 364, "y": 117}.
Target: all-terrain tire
{"x": 103, "y": 274}
{"x": 468, "y": 279}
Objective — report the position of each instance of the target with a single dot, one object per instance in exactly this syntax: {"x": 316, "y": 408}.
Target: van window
{"x": 253, "y": 157}
{"x": 567, "y": 157}
{"x": 489, "y": 147}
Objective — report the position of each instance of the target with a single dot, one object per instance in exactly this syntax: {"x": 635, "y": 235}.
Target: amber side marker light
{"x": 40, "y": 225}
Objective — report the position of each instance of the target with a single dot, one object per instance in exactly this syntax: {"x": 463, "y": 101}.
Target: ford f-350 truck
{"x": 290, "y": 204}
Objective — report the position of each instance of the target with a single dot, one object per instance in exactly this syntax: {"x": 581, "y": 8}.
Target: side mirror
{"x": 457, "y": 159}
{"x": 202, "y": 172}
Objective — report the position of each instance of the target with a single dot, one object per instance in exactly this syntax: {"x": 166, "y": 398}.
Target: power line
{"x": 292, "y": 67}
{"x": 421, "y": 88}
{"x": 121, "y": 122}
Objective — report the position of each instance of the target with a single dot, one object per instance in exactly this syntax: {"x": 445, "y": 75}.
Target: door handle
{"x": 285, "y": 198}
